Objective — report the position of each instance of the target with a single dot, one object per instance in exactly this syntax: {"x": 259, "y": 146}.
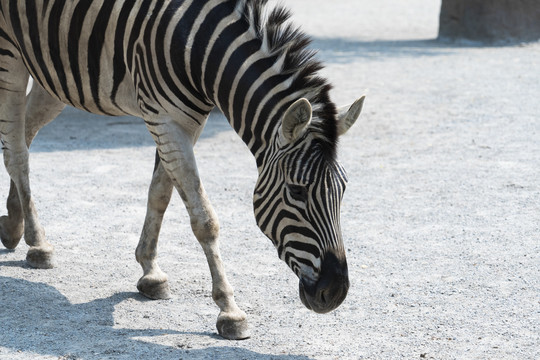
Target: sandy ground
{"x": 440, "y": 219}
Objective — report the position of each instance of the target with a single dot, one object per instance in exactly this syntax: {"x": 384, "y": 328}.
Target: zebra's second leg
{"x": 175, "y": 146}
{"x": 12, "y": 224}
{"x": 16, "y": 134}
{"x": 154, "y": 284}
{"x": 41, "y": 108}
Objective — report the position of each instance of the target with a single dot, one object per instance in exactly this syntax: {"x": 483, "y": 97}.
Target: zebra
{"x": 170, "y": 62}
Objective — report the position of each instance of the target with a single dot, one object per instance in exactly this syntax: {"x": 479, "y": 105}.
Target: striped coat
{"x": 171, "y": 62}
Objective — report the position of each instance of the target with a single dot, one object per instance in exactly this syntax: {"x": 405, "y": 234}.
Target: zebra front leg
{"x": 175, "y": 147}
{"x": 41, "y": 108}
{"x": 232, "y": 322}
{"x": 153, "y": 284}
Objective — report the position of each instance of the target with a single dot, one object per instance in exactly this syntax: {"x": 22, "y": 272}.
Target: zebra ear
{"x": 296, "y": 119}
{"x": 347, "y": 115}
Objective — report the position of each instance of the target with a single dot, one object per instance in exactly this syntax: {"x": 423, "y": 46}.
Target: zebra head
{"x": 297, "y": 202}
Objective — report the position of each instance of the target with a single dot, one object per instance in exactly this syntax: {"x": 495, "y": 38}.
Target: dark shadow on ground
{"x": 342, "y": 50}
{"x": 79, "y": 130}
{"x": 37, "y": 318}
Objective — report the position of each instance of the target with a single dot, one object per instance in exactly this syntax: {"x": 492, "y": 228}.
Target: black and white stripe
{"x": 297, "y": 205}
{"x": 177, "y": 59}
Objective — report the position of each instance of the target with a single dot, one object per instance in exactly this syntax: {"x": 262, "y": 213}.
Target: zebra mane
{"x": 288, "y": 43}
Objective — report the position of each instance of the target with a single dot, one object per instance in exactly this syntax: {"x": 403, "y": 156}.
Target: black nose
{"x": 330, "y": 289}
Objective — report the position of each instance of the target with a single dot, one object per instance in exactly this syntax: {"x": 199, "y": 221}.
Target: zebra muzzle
{"x": 329, "y": 291}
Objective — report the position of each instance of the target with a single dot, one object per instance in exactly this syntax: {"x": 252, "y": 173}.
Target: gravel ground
{"x": 440, "y": 218}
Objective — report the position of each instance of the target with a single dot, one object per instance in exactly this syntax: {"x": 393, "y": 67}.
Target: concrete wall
{"x": 490, "y": 20}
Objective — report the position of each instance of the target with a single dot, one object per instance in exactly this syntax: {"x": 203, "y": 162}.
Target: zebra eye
{"x": 298, "y": 192}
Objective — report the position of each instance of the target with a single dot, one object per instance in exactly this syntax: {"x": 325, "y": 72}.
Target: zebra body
{"x": 170, "y": 62}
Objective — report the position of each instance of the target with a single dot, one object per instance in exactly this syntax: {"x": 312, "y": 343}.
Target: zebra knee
{"x": 205, "y": 228}
{"x": 159, "y": 194}
{"x": 16, "y": 163}
{"x": 158, "y": 201}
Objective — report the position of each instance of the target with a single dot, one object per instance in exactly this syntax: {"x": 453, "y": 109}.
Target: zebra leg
{"x": 232, "y": 322}
{"x": 41, "y": 108}
{"x": 175, "y": 146}
{"x": 12, "y": 224}
{"x": 13, "y": 83}
{"x": 153, "y": 284}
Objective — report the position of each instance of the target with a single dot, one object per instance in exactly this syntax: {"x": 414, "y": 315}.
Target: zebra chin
{"x": 329, "y": 291}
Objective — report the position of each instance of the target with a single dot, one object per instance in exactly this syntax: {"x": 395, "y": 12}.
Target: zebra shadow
{"x": 75, "y": 129}
{"x": 37, "y": 319}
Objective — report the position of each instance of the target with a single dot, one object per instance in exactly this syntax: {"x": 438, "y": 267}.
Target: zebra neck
{"x": 251, "y": 68}
{"x": 253, "y": 109}
{"x": 249, "y": 89}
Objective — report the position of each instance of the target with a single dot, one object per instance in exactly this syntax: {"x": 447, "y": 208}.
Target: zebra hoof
{"x": 10, "y": 234}
{"x": 41, "y": 257}
{"x": 155, "y": 289}
{"x": 233, "y": 326}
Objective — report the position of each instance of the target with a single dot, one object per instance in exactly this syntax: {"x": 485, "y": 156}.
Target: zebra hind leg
{"x": 41, "y": 108}
{"x": 18, "y": 128}
{"x": 12, "y": 224}
{"x": 12, "y": 130}
{"x": 154, "y": 283}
